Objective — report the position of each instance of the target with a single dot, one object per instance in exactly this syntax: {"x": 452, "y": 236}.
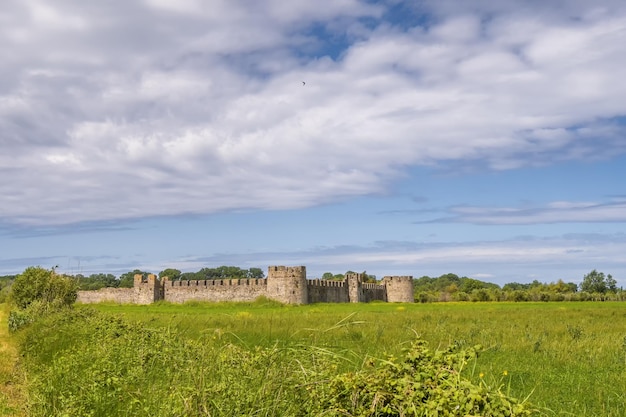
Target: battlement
{"x": 214, "y": 282}
{"x": 397, "y": 278}
{"x": 287, "y": 284}
{"x": 325, "y": 283}
{"x": 372, "y": 286}
{"x": 286, "y": 271}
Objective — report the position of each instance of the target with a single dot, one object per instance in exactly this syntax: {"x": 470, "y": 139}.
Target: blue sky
{"x": 481, "y": 138}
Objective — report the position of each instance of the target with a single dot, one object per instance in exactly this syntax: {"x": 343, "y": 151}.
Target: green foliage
{"x": 421, "y": 383}
{"x": 171, "y": 273}
{"x": 19, "y": 318}
{"x": 96, "y": 281}
{"x": 85, "y": 363}
{"x": 127, "y": 280}
{"x": 40, "y": 284}
{"x": 329, "y": 276}
{"x": 596, "y": 282}
{"x": 256, "y": 273}
{"x": 5, "y": 287}
{"x": 221, "y": 272}
{"x": 450, "y": 287}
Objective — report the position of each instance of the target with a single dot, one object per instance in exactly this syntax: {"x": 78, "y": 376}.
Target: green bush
{"x": 44, "y": 285}
{"x": 4, "y": 293}
{"x": 422, "y": 383}
{"x": 21, "y": 317}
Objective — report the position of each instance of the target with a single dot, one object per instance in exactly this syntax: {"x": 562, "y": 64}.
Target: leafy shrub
{"x": 18, "y": 319}
{"x": 422, "y": 383}
{"x": 480, "y": 295}
{"x": 4, "y": 293}
{"x": 37, "y": 283}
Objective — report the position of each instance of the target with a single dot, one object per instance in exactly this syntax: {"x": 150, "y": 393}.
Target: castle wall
{"x": 287, "y": 285}
{"x": 114, "y": 295}
{"x": 214, "y": 290}
{"x": 323, "y": 291}
{"x": 373, "y": 292}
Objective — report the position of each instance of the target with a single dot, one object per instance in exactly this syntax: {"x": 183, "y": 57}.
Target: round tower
{"x": 399, "y": 289}
{"x": 287, "y": 284}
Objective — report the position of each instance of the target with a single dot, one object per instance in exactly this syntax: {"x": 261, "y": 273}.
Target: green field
{"x": 569, "y": 359}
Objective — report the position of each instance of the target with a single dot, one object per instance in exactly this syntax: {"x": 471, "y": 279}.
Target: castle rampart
{"x": 285, "y": 284}
{"x": 214, "y": 290}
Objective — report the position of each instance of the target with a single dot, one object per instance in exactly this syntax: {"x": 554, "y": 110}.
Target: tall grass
{"x": 84, "y": 363}
{"x": 10, "y": 377}
{"x": 570, "y": 358}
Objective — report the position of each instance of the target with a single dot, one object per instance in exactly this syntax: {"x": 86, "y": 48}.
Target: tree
{"x": 44, "y": 285}
{"x": 368, "y": 277}
{"x": 172, "y": 274}
{"x": 561, "y": 287}
{"x": 256, "y": 273}
{"x": 189, "y": 276}
{"x": 594, "y": 282}
{"x": 611, "y": 284}
{"x": 127, "y": 280}
{"x": 327, "y": 275}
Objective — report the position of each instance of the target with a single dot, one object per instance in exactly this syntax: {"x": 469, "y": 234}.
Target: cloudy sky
{"x": 482, "y": 138}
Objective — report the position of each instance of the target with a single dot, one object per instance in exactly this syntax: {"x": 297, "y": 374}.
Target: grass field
{"x": 200, "y": 359}
{"x": 570, "y": 358}
{"x": 10, "y": 395}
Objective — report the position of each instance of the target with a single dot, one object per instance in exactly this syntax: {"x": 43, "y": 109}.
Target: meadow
{"x": 566, "y": 359}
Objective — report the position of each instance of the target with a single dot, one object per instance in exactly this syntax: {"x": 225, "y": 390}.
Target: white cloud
{"x": 513, "y": 260}
{"x": 553, "y": 212}
{"x": 169, "y": 107}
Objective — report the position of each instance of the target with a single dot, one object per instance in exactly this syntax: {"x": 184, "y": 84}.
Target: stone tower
{"x": 355, "y": 287}
{"x": 399, "y": 289}
{"x": 287, "y": 284}
{"x": 147, "y": 290}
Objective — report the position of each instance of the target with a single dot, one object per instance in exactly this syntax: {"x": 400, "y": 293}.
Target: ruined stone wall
{"x": 287, "y": 285}
{"x": 323, "y": 291}
{"x": 214, "y": 290}
{"x": 146, "y": 290}
{"x": 114, "y": 295}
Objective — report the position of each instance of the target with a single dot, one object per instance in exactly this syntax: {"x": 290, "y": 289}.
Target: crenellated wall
{"x": 285, "y": 284}
{"x": 146, "y": 290}
{"x": 214, "y": 290}
{"x": 324, "y": 291}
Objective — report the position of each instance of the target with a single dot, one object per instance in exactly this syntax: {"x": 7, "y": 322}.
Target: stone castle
{"x": 286, "y": 284}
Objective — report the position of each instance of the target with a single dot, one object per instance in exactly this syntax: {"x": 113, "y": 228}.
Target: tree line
{"x": 450, "y": 287}
{"x": 126, "y": 280}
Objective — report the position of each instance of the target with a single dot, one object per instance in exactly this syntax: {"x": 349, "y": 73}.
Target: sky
{"x": 481, "y": 138}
